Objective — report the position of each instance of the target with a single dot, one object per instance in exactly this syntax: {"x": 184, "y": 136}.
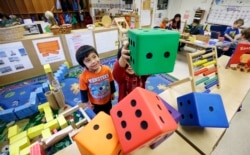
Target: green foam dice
{"x": 152, "y": 51}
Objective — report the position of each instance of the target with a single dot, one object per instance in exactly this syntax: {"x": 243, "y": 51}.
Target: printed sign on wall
{"x": 13, "y": 58}
{"x": 76, "y": 40}
{"x": 49, "y": 50}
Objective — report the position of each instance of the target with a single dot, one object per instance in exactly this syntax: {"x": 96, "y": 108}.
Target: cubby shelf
{"x": 35, "y": 9}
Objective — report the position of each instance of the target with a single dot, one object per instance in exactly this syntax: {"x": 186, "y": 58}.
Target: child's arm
{"x": 84, "y": 96}
{"x": 226, "y": 34}
{"x": 228, "y": 37}
{"x": 124, "y": 55}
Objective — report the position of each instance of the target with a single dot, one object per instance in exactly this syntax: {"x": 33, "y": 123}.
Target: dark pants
{"x": 105, "y": 108}
{"x": 181, "y": 45}
{"x": 229, "y": 52}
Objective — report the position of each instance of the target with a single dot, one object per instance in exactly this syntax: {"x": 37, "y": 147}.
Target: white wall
{"x": 158, "y": 15}
{"x": 188, "y": 8}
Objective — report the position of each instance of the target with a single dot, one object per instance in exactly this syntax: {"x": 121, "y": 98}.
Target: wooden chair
{"x": 123, "y": 28}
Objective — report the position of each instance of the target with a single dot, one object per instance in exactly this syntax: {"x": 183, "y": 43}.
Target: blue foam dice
{"x": 203, "y": 110}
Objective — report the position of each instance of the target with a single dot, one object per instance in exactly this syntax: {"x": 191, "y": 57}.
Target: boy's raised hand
{"x": 125, "y": 51}
{"x": 125, "y": 55}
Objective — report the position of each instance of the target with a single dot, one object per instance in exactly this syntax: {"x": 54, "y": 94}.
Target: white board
{"x": 227, "y": 14}
{"x": 76, "y": 40}
{"x": 106, "y": 41}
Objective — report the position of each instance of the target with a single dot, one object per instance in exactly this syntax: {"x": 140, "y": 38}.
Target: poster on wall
{"x": 145, "y": 18}
{"x": 13, "y": 58}
{"x": 106, "y": 45}
{"x": 49, "y": 50}
{"x": 162, "y": 4}
{"x": 74, "y": 41}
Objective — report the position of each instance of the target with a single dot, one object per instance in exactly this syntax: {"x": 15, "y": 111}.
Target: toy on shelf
{"x": 123, "y": 28}
{"x": 240, "y": 60}
{"x": 203, "y": 71}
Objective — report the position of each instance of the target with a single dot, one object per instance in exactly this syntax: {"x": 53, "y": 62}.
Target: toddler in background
{"x": 164, "y": 23}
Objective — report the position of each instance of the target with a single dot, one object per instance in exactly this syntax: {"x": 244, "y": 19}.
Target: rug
{"x": 18, "y": 94}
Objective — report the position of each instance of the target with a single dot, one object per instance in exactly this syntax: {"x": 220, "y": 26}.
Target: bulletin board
{"x": 34, "y": 48}
{"x": 106, "y": 41}
{"x": 225, "y": 12}
{"x": 76, "y": 40}
{"x": 36, "y": 69}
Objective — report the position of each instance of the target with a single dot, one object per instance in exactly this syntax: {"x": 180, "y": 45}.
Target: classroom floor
{"x": 236, "y": 139}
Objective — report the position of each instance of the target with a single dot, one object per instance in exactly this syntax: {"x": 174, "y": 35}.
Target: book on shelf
{"x": 240, "y": 60}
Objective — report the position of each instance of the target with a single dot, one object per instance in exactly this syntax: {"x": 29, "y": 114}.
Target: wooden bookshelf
{"x": 35, "y": 9}
{"x": 199, "y": 14}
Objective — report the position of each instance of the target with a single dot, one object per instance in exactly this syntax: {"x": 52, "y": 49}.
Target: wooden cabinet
{"x": 199, "y": 14}
{"x": 34, "y": 9}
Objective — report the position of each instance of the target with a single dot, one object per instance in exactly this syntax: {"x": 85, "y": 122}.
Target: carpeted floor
{"x": 18, "y": 94}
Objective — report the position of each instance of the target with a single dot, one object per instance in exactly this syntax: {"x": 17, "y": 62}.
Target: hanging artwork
{"x": 162, "y": 5}
{"x": 13, "y": 58}
{"x": 49, "y": 50}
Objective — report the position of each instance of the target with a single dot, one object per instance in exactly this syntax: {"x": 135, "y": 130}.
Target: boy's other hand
{"x": 125, "y": 55}
{"x": 125, "y": 51}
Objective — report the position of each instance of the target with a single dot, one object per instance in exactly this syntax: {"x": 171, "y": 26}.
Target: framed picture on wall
{"x": 162, "y": 4}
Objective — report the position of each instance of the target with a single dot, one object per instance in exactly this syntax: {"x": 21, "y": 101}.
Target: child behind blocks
{"x": 96, "y": 81}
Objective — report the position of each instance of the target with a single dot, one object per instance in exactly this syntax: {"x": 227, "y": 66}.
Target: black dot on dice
{"x": 128, "y": 135}
{"x": 180, "y": 103}
{"x": 144, "y": 125}
{"x": 211, "y": 108}
{"x": 96, "y": 127}
{"x": 191, "y": 116}
{"x": 182, "y": 116}
{"x": 159, "y": 106}
{"x": 149, "y": 55}
{"x": 170, "y": 111}
{"x": 138, "y": 113}
{"x": 161, "y": 119}
{"x": 124, "y": 124}
{"x": 189, "y": 102}
{"x": 166, "y": 54}
{"x": 157, "y": 98}
{"x": 119, "y": 113}
{"x": 133, "y": 103}
{"x": 109, "y": 136}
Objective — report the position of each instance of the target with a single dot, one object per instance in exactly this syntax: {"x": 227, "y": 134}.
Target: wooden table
{"x": 174, "y": 145}
{"x": 194, "y": 140}
{"x": 196, "y": 45}
{"x": 234, "y": 87}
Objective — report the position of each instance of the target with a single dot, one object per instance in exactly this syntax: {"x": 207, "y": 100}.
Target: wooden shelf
{"x": 35, "y": 9}
{"x": 199, "y": 14}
